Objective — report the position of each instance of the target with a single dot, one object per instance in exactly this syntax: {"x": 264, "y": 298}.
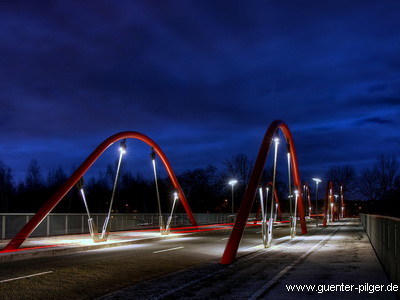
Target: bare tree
{"x": 6, "y": 186}
{"x": 368, "y": 185}
{"x": 345, "y": 175}
{"x": 239, "y": 167}
{"x": 387, "y": 168}
{"x": 34, "y": 178}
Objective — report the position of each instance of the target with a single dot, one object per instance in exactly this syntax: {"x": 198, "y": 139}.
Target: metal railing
{"x": 384, "y": 234}
{"x": 63, "y": 224}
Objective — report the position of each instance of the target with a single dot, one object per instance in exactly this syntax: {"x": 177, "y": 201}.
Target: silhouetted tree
{"x": 239, "y": 167}
{"x": 387, "y": 168}
{"x": 202, "y": 188}
{"x": 34, "y": 177}
{"x": 368, "y": 185}
{"x": 137, "y": 193}
{"x": 32, "y": 194}
{"x": 345, "y": 175}
{"x": 6, "y": 186}
{"x": 381, "y": 183}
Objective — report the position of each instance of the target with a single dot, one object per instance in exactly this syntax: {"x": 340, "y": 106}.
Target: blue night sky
{"x": 204, "y": 79}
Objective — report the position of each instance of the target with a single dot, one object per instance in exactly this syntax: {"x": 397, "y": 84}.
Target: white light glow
{"x": 233, "y": 182}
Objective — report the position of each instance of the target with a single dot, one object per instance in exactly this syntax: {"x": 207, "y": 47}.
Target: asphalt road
{"x": 334, "y": 262}
{"x": 92, "y": 274}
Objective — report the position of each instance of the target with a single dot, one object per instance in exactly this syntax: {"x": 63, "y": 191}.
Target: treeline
{"x": 378, "y": 185}
{"x": 206, "y": 189}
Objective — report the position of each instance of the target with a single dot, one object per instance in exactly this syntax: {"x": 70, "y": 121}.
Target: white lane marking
{"x": 224, "y": 239}
{"x": 170, "y": 249}
{"x": 285, "y": 270}
{"x": 27, "y": 276}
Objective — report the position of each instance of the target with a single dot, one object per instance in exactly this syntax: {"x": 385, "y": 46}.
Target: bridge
{"x": 254, "y": 238}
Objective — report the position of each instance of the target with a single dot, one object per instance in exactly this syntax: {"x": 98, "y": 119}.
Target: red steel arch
{"x": 29, "y": 227}
{"x": 249, "y": 195}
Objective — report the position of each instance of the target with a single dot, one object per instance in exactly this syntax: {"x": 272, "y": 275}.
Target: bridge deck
{"x": 336, "y": 261}
{"x": 329, "y": 262}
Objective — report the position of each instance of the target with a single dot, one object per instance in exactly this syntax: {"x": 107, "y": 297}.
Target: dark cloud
{"x": 202, "y": 78}
{"x": 376, "y": 121}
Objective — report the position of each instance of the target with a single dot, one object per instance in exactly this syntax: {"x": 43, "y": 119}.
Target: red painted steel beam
{"x": 249, "y": 195}
{"x": 29, "y": 227}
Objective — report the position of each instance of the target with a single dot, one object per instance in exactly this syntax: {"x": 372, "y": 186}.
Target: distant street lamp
{"x": 232, "y": 183}
{"x": 317, "y": 180}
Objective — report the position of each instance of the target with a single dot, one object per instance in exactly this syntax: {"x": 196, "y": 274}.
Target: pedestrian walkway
{"x": 330, "y": 262}
{"x": 58, "y": 245}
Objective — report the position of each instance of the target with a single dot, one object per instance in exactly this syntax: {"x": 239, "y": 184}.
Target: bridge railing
{"x": 76, "y": 223}
{"x": 384, "y": 234}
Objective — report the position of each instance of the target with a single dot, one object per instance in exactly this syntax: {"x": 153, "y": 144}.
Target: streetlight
{"x": 317, "y": 180}
{"x": 232, "y": 183}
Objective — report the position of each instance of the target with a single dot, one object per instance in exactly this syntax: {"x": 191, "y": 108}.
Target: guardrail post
{"x": 3, "y": 227}
{"x": 82, "y": 226}
{"x": 66, "y": 224}
{"x": 48, "y": 225}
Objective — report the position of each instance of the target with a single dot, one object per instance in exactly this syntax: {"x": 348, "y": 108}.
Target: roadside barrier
{"x": 76, "y": 223}
{"x": 384, "y": 234}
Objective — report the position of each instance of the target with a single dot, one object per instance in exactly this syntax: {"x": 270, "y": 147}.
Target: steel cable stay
{"x": 168, "y": 226}
{"x": 106, "y": 225}
{"x": 293, "y": 216}
{"x": 253, "y": 187}
{"x": 43, "y": 212}
{"x": 271, "y": 219}
{"x": 290, "y": 193}
{"x": 164, "y": 228}
{"x": 263, "y": 215}
{"x": 160, "y": 217}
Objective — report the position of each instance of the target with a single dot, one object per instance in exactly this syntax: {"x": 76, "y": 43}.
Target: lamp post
{"x": 232, "y": 183}
{"x": 317, "y": 180}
